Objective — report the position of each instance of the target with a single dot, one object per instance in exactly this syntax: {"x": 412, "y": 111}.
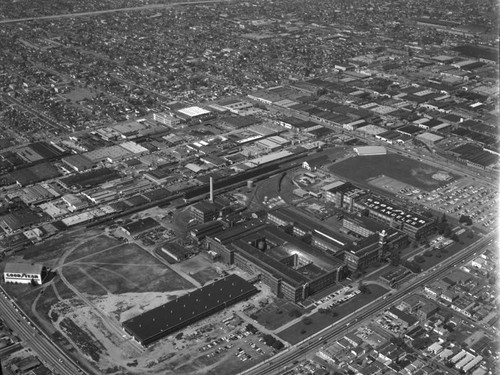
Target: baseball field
{"x": 412, "y": 172}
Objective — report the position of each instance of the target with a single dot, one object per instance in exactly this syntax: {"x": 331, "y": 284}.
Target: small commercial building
{"x": 24, "y": 273}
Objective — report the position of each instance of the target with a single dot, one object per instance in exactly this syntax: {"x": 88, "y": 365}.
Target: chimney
{"x": 211, "y": 190}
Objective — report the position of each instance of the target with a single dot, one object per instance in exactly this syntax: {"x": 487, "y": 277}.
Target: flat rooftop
{"x": 193, "y": 306}
{"x": 388, "y": 209}
{"x": 294, "y": 215}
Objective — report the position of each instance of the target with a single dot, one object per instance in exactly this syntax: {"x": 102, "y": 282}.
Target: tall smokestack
{"x": 211, "y": 190}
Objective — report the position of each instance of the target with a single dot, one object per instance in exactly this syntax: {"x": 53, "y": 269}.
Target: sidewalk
{"x": 259, "y": 326}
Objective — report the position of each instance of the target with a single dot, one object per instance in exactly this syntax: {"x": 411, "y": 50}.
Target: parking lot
{"x": 389, "y": 323}
{"x": 462, "y": 197}
{"x": 336, "y": 298}
{"x": 243, "y": 344}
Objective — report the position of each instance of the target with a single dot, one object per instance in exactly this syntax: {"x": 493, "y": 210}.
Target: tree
{"x": 454, "y": 237}
{"x": 395, "y": 257}
{"x": 465, "y": 219}
{"x": 294, "y": 313}
{"x": 419, "y": 259}
{"x": 364, "y": 289}
{"x": 413, "y": 266}
{"x": 307, "y": 320}
{"x": 421, "y": 342}
{"x": 447, "y": 231}
{"x": 398, "y": 341}
{"x": 251, "y": 328}
{"x": 269, "y": 340}
{"x": 278, "y": 345}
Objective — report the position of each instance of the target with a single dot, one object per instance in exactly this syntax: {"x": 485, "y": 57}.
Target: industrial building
{"x": 361, "y": 225}
{"x": 361, "y": 253}
{"x": 291, "y": 268}
{"x": 370, "y": 150}
{"x": 343, "y": 195}
{"x": 387, "y": 212}
{"x": 78, "y": 162}
{"x": 159, "y": 322}
{"x": 204, "y": 211}
{"x": 300, "y": 225}
{"x": 371, "y": 249}
{"x": 175, "y": 251}
{"x": 24, "y": 273}
{"x": 166, "y": 119}
{"x": 139, "y": 226}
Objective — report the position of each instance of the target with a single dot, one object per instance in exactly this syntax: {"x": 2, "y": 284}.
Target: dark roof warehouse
{"x": 187, "y": 309}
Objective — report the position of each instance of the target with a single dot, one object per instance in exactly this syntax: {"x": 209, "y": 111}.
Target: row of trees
{"x": 269, "y": 340}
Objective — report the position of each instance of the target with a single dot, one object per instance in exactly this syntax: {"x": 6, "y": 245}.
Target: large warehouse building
{"x": 24, "y": 273}
{"x": 187, "y": 309}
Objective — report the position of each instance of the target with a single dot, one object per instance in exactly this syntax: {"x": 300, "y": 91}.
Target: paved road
{"x": 285, "y": 360}
{"x": 111, "y": 324}
{"x": 486, "y": 177}
{"x": 131, "y": 9}
{"x": 48, "y": 352}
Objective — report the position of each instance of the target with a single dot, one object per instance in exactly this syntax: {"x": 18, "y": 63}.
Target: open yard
{"x": 92, "y": 246}
{"x": 409, "y": 171}
{"x": 277, "y": 313}
{"x": 430, "y": 257}
{"x": 121, "y": 269}
{"x": 51, "y": 250}
{"x": 318, "y": 321}
{"x": 201, "y": 268}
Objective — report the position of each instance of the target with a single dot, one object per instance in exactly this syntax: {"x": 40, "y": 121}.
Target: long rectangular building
{"x": 290, "y": 267}
{"x": 163, "y": 320}
{"x": 388, "y": 213}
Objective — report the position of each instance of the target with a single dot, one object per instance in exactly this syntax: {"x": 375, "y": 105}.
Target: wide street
{"x": 45, "y": 348}
{"x": 309, "y": 346}
{"x": 97, "y": 12}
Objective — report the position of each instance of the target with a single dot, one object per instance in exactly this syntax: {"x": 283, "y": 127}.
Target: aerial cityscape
{"x": 226, "y": 187}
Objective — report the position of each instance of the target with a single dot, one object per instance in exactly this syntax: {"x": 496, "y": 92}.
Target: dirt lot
{"x": 102, "y": 281}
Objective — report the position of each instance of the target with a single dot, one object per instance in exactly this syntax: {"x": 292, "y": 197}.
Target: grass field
{"x": 92, "y": 246}
{"x": 276, "y": 314}
{"x": 200, "y": 267}
{"x": 51, "y": 250}
{"x": 205, "y": 275}
{"x": 122, "y": 269}
{"x": 409, "y": 171}
{"x": 300, "y": 331}
{"x": 389, "y": 184}
{"x": 440, "y": 255}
